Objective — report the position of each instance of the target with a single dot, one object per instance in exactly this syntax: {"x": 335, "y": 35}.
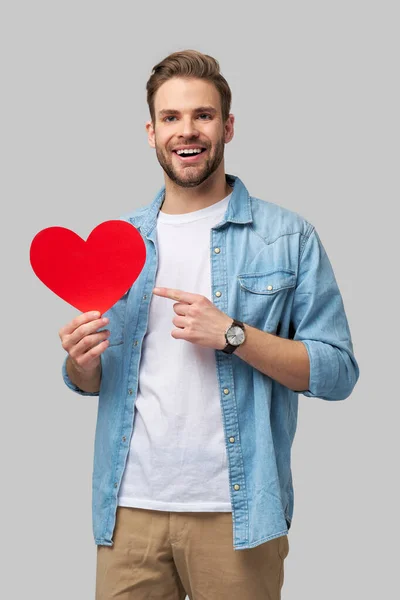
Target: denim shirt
{"x": 269, "y": 270}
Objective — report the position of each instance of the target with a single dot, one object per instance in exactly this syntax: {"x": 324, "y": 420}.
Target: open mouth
{"x": 189, "y": 155}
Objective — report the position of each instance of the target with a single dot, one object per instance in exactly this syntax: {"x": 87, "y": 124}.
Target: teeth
{"x": 189, "y": 151}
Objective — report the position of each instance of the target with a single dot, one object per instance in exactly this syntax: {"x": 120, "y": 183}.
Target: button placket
{"x": 220, "y": 280}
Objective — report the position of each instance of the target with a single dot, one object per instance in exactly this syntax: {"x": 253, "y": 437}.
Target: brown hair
{"x": 189, "y": 63}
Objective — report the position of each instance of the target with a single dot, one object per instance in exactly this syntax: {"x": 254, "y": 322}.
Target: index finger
{"x": 81, "y": 319}
{"x": 178, "y": 295}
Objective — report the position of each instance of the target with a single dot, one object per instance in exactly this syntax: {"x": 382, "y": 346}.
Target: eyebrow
{"x": 200, "y": 109}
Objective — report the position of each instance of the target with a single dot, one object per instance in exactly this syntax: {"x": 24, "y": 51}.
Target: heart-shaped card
{"x": 92, "y": 274}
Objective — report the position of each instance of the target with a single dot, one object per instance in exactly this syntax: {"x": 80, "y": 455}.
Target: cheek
{"x": 163, "y": 140}
{"x": 163, "y": 147}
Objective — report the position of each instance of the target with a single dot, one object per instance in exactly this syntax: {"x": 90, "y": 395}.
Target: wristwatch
{"x": 235, "y": 336}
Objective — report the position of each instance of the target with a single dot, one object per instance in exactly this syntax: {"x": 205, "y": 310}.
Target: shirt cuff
{"x": 324, "y": 369}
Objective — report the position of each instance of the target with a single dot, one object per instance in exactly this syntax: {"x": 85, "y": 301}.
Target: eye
{"x": 169, "y": 117}
{"x": 205, "y": 115}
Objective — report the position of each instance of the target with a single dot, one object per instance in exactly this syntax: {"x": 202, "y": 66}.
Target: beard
{"x": 191, "y": 176}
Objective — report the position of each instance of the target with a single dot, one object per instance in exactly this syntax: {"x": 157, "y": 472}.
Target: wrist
{"x": 76, "y": 371}
{"x": 235, "y": 336}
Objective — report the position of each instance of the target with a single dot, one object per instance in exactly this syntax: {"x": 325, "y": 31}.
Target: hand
{"x": 82, "y": 342}
{"x": 198, "y": 320}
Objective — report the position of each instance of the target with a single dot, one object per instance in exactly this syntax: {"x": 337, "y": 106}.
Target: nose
{"x": 188, "y": 128}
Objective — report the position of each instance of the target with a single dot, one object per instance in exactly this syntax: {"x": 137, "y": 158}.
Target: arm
{"x": 85, "y": 344}
{"x": 284, "y": 360}
{"x": 330, "y": 370}
{"x": 85, "y": 381}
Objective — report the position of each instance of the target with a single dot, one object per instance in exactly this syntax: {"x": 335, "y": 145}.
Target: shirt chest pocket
{"x": 264, "y": 297}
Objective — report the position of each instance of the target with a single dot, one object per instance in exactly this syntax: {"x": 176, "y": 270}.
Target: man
{"x": 198, "y": 397}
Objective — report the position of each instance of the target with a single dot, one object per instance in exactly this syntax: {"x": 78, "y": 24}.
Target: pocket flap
{"x": 268, "y": 283}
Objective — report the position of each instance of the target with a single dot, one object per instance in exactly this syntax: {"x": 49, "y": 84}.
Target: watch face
{"x": 235, "y": 335}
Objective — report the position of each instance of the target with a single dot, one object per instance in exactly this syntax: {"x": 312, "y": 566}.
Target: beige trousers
{"x": 166, "y": 555}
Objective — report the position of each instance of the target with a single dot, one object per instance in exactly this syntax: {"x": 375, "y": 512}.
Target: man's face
{"x": 188, "y": 117}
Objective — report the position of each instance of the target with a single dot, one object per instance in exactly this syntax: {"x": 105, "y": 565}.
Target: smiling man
{"x": 189, "y": 132}
{"x": 236, "y": 312}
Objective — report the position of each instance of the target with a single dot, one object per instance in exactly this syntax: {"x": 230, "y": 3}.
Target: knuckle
{"x": 92, "y": 327}
{"x": 75, "y": 323}
{"x": 91, "y": 354}
{"x": 88, "y": 355}
{"x": 86, "y": 341}
{"x": 83, "y": 329}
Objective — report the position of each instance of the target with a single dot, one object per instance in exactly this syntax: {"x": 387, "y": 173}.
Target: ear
{"x": 229, "y": 129}
{"x": 150, "y": 134}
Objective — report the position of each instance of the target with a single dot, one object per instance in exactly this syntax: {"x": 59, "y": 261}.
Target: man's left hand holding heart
{"x": 197, "y": 319}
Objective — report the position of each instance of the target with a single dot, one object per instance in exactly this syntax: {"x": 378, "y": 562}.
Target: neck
{"x": 180, "y": 200}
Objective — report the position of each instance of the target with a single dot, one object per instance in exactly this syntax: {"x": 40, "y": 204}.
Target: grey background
{"x": 316, "y": 97}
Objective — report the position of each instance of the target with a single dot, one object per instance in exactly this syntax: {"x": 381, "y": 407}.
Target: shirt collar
{"x": 238, "y": 211}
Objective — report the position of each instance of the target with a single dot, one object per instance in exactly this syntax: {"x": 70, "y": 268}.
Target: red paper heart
{"x": 91, "y": 275}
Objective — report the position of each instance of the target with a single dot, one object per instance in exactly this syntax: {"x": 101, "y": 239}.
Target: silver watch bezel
{"x": 229, "y": 335}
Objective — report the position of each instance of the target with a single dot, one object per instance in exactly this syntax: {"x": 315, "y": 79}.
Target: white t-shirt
{"x": 177, "y": 459}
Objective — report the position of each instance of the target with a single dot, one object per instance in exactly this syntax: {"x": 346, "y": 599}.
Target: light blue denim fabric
{"x": 273, "y": 273}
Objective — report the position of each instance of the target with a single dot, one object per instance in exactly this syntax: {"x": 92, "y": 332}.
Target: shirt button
{"x": 218, "y": 294}
{"x": 115, "y": 485}
{"x": 124, "y": 439}
{"x": 231, "y": 439}
{"x": 236, "y": 487}
{"x": 269, "y": 287}
{"x": 226, "y": 391}
{"x": 217, "y": 250}
{"x": 145, "y": 297}
{"x": 130, "y": 391}
{"x": 135, "y": 343}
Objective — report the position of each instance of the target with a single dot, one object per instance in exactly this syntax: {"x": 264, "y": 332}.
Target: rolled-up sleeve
{"x": 320, "y": 323}
{"x": 71, "y": 385}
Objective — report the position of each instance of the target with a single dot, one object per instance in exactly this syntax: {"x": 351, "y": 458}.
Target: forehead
{"x": 186, "y": 94}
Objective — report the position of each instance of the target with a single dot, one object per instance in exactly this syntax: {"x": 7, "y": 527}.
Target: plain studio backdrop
{"x": 316, "y": 101}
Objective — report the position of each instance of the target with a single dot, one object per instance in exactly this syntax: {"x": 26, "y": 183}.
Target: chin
{"x": 190, "y": 182}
